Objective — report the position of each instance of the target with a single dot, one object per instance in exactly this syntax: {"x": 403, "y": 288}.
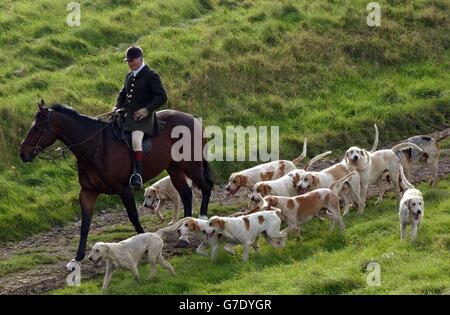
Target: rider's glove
{"x": 141, "y": 114}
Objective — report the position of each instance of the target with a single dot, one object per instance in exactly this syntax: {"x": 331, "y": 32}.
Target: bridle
{"x": 46, "y": 128}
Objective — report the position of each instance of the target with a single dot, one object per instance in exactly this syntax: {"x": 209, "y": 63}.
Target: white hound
{"x": 411, "y": 208}
{"x": 372, "y": 165}
{"x": 128, "y": 253}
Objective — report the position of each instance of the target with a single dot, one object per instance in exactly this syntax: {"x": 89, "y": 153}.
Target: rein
{"x": 68, "y": 147}
{"x": 62, "y": 151}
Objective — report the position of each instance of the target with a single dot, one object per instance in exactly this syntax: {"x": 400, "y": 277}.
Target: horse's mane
{"x": 69, "y": 111}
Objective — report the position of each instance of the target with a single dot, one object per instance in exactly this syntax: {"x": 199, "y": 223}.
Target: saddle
{"x": 124, "y": 135}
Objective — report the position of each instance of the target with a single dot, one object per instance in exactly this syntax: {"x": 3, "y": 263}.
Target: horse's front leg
{"x": 87, "y": 202}
{"x": 129, "y": 203}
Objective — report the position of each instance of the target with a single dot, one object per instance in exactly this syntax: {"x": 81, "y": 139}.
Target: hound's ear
{"x": 106, "y": 246}
{"x": 316, "y": 180}
{"x": 261, "y": 201}
{"x": 407, "y": 204}
{"x": 275, "y": 201}
{"x": 410, "y": 203}
{"x": 366, "y": 155}
{"x": 266, "y": 189}
{"x": 242, "y": 180}
{"x": 272, "y": 201}
{"x": 346, "y": 157}
{"x": 295, "y": 180}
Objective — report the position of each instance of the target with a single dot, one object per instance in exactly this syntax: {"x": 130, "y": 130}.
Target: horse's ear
{"x": 42, "y": 109}
{"x": 41, "y": 106}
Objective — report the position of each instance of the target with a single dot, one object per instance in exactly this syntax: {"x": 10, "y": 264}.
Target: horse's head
{"x": 40, "y": 136}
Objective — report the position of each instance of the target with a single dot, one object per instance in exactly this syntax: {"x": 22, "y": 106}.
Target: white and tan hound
{"x": 267, "y": 171}
{"x": 322, "y": 202}
{"x": 325, "y": 178}
{"x": 198, "y": 228}
{"x": 158, "y": 194}
{"x": 245, "y": 230}
{"x": 284, "y": 186}
{"x": 430, "y": 154}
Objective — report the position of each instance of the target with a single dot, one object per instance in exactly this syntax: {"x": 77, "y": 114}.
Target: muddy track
{"x": 60, "y": 243}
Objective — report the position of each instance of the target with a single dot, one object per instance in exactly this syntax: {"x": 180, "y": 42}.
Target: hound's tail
{"x": 239, "y": 214}
{"x": 405, "y": 145}
{"x": 166, "y": 231}
{"x": 277, "y": 211}
{"x": 375, "y": 143}
{"x": 315, "y": 159}
{"x": 336, "y": 187}
{"x": 298, "y": 159}
{"x": 405, "y": 181}
{"x": 443, "y": 137}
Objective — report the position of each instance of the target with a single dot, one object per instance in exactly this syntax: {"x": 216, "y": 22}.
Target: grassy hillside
{"x": 314, "y": 68}
{"x": 322, "y": 263}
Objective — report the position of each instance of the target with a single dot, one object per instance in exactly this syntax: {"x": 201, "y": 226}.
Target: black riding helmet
{"x": 133, "y": 52}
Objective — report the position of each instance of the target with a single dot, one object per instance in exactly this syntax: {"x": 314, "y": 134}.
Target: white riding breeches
{"x": 136, "y": 140}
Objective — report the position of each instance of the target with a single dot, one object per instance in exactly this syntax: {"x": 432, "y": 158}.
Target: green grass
{"x": 24, "y": 261}
{"x": 314, "y": 68}
{"x": 37, "y": 197}
{"x": 322, "y": 263}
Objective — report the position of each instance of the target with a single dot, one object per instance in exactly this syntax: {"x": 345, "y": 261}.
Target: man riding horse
{"x": 104, "y": 163}
{"x": 140, "y": 96}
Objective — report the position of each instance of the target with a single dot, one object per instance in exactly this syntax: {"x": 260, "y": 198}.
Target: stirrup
{"x": 139, "y": 179}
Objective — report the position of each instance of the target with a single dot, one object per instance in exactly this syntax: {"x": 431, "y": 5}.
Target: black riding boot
{"x": 136, "y": 178}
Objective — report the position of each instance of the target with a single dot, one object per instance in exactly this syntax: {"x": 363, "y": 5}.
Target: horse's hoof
{"x": 182, "y": 244}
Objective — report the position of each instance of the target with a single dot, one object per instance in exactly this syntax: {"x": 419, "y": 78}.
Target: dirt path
{"x": 60, "y": 243}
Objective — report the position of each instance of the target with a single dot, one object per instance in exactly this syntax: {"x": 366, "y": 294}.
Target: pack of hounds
{"x": 282, "y": 192}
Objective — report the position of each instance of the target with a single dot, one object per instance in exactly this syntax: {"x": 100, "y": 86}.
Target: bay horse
{"x": 105, "y": 164}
